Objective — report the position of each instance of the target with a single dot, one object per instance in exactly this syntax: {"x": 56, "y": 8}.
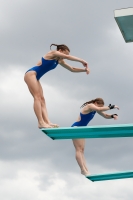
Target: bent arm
{"x": 70, "y": 68}
{"x": 106, "y": 116}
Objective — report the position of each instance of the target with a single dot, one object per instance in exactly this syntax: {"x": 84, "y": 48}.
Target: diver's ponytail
{"x": 53, "y": 45}
{"x": 97, "y": 100}
{"x": 88, "y": 102}
{"x": 63, "y": 47}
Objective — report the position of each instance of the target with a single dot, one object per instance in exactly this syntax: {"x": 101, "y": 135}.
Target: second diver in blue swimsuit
{"x": 89, "y": 109}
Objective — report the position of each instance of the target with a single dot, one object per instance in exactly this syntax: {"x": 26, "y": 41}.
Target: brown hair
{"x": 97, "y": 100}
{"x": 63, "y": 47}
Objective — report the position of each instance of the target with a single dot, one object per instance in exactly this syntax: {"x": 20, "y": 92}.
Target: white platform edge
{"x": 123, "y": 12}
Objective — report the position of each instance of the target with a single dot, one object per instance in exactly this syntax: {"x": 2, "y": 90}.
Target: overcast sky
{"x": 32, "y": 166}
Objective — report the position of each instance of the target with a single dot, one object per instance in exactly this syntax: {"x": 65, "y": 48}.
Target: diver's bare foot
{"x": 85, "y": 173}
{"x": 44, "y": 125}
{"x": 54, "y": 125}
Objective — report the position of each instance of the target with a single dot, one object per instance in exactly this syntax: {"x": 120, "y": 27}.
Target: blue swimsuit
{"x": 85, "y": 119}
{"x": 46, "y": 66}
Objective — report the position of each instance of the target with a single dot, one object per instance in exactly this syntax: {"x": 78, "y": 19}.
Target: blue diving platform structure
{"x": 124, "y": 19}
{"x": 107, "y": 131}
{"x": 110, "y": 176}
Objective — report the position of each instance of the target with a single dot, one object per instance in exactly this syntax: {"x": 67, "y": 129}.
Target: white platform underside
{"x": 123, "y": 12}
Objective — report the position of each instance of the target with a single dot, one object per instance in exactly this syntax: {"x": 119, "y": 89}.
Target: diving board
{"x": 124, "y": 19}
{"x": 111, "y": 176}
{"x": 107, "y": 131}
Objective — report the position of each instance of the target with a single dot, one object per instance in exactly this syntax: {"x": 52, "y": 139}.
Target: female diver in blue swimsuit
{"x": 86, "y": 115}
{"x": 47, "y": 63}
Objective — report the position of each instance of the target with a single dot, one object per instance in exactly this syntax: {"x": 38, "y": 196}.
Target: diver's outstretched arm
{"x": 108, "y": 116}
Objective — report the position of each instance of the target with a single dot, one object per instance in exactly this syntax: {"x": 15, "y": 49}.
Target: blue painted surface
{"x": 107, "y": 131}
{"x": 125, "y": 24}
{"x": 111, "y": 176}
